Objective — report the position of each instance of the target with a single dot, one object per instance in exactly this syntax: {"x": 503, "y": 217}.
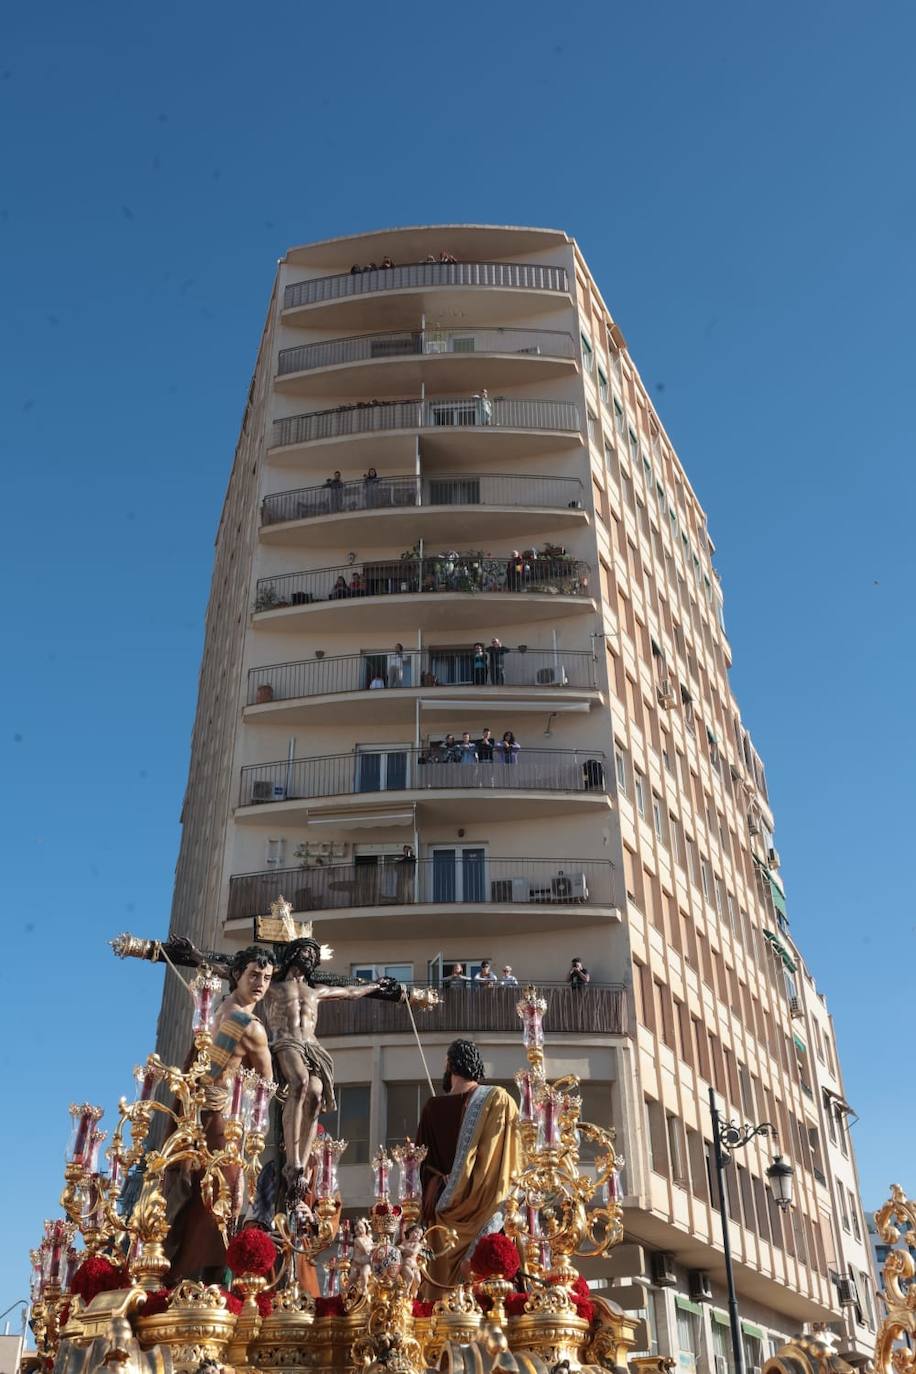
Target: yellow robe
{"x": 488, "y": 1154}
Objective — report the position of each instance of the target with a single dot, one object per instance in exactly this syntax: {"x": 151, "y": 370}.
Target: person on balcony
{"x": 495, "y": 655}
{"x": 467, "y": 749}
{"x": 406, "y": 865}
{"x": 479, "y": 666}
{"x": 484, "y": 407}
{"x": 397, "y": 662}
{"x": 486, "y": 745}
{"x": 508, "y": 748}
{"x": 340, "y": 591}
{"x": 508, "y": 979}
{"x": 457, "y": 978}
{"x": 578, "y": 976}
{"x": 371, "y": 489}
{"x": 335, "y": 491}
{"x": 357, "y": 586}
{"x": 450, "y": 751}
{"x": 485, "y": 975}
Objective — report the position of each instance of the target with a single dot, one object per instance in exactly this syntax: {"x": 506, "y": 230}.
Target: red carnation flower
{"x": 584, "y": 1308}
{"x": 580, "y": 1287}
{"x": 330, "y": 1307}
{"x": 98, "y": 1275}
{"x": 234, "y": 1303}
{"x": 515, "y": 1304}
{"x": 251, "y": 1252}
{"x": 64, "y": 1316}
{"x": 421, "y": 1308}
{"x": 155, "y": 1303}
{"x": 495, "y": 1255}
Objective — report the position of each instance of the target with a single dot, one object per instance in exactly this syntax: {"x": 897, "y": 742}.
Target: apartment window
{"x": 597, "y": 1107}
{"x": 844, "y": 1214}
{"x": 658, "y": 817}
{"x": 592, "y": 426}
{"x": 610, "y": 462}
{"x": 662, "y": 1013}
{"x": 687, "y": 703}
{"x": 620, "y": 765}
{"x": 587, "y": 354}
{"x": 724, "y": 1361}
{"x": 656, "y": 1137}
{"x": 634, "y": 448}
{"x": 677, "y": 838}
{"x": 747, "y": 1095}
{"x": 854, "y": 1216}
{"x": 699, "y": 1185}
{"x": 371, "y": 973}
{"x": 603, "y": 387}
{"x": 706, "y": 878}
{"x": 618, "y": 417}
{"x": 676, "y": 1151}
{"x": 686, "y": 1334}
{"x": 350, "y": 1120}
{"x": 691, "y": 858}
{"x": 639, "y": 787}
{"x": 753, "y": 1353}
{"x": 405, "y": 1102}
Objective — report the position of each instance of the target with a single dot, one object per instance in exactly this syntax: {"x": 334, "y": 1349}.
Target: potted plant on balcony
{"x": 263, "y": 693}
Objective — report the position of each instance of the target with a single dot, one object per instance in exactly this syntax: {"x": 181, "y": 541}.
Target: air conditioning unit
{"x": 521, "y": 889}
{"x": 846, "y": 1293}
{"x": 700, "y": 1286}
{"x": 663, "y": 1275}
{"x": 551, "y": 677}
{"x": 264, "y": 791}
{"x": 795, "y": 1008}
{"x": 753, "y": 824}
{"x": 569, "y": 887}
{"x": 666, "y": 695}
{"x": 773, "y": 858}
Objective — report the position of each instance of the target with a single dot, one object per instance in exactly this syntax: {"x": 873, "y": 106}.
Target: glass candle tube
{"x": 204, "y": 989}
{"x": 526, "y": 1107}
{"x": 381, "y": 1167}
{"x": 551, "y": 1103}
{"x": 263, "y": 1092}
{"x": 84, "y": 1121}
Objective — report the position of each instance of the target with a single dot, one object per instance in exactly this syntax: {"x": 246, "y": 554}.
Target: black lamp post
{"x": 726, "y": 1137}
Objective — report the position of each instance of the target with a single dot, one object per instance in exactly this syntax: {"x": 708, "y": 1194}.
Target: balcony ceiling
{"x": 398, "y": 706}
{"x": 413, "y": 610}
{"x": 445, "y": 307}
{"x": 404, "y": 525}
{"x": 441, "y": 372}
{"x": 395, "y": 450}
{"x": 428, "y": 919}
{"x": 470, "y": 242}
{"x": 451, "y": 806}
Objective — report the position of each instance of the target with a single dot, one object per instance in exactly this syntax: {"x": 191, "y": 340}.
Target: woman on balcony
{"x": 508, "y": 748}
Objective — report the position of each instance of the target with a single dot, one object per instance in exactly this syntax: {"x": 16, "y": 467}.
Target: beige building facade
{"x": 454, "y": 509}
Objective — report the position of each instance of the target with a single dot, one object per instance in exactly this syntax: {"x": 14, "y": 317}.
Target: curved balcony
{"x": 450, "y": 359}
{"x": 396, "y": 296}
{"x": 333, "y": 690}
{"x": 515, "y": 894}
{"x": 425, "y": 593}
{"x": 465, "y": 427}
{"x": 538, "y": 780}
{"x": 598, "y": 1009}
{"x": 456, "y": 506}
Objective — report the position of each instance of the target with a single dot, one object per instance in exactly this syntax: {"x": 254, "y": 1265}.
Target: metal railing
{"x": 517, "y": 276}
{"x": 598, "y": 1009}
{"x": 435, "y": 768}
{"x": 428, "y": 668}
{"x": 449, "y": 877}
{"x": 452, "y": 489}
{"x": 456, "y": 412}
{"x": 408, "y": 343}
{"x": 460, "y": 572}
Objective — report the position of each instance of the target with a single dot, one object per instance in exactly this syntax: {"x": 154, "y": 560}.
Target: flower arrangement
{"x": 98, "y": 1275}
{"x": 251, "y": 1252}
{"x": 421, "y": 1308}
{"x": 495, "y": 1256}
{"x": 156, "y": 1302}
{"x": 265, "y": 1304}
{"x": 330, "y": 1307}
{"x": 384, "y": 1209}
{"x": 234, "y": 1303}
{"x": 515, "y": 1304}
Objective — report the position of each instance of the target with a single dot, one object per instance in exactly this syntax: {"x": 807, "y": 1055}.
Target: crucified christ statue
{"x": 290, "y": 1009}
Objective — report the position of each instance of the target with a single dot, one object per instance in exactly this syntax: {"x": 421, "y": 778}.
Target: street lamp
{"x": 726, "y": 1137}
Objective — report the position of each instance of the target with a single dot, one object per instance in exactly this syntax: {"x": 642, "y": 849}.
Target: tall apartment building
{"x": 447, "y": 447}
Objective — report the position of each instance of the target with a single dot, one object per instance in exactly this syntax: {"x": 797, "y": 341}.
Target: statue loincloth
{"x": 318, "y": 1062}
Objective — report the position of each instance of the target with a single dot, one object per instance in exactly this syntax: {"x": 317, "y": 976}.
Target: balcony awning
{"x": 685, "y": 1305}
{"x": 779, "y": 900}
{"x": 473, "y": 704}
{"x": 800, "y": 1044}
{"x": 781, "y": 950}
{"x": 750, "y": 1329}
{"x": 721, "y": 1317}
{"x": 362, "y": 820}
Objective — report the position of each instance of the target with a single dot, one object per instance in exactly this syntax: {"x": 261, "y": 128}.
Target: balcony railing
{"x": 402, "y": 576}
{"x": 463, "y": 412}
{"x": 418, "y": 343}
{"x": 515, "y": 276}
{"x": 471, "y": 877}
{"x": 372, "y": 771}
{"x": 598, "y": 1009}
{"x": 391, "y": 493}
{"x": 445, "y": 667}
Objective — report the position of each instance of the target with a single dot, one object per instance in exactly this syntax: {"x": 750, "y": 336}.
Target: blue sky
{"x": 740, "y": 179}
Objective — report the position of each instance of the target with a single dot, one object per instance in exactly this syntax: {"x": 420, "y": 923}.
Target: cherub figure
{"x": 358, "y": 1279}
{"x": 411, "y": 1249}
